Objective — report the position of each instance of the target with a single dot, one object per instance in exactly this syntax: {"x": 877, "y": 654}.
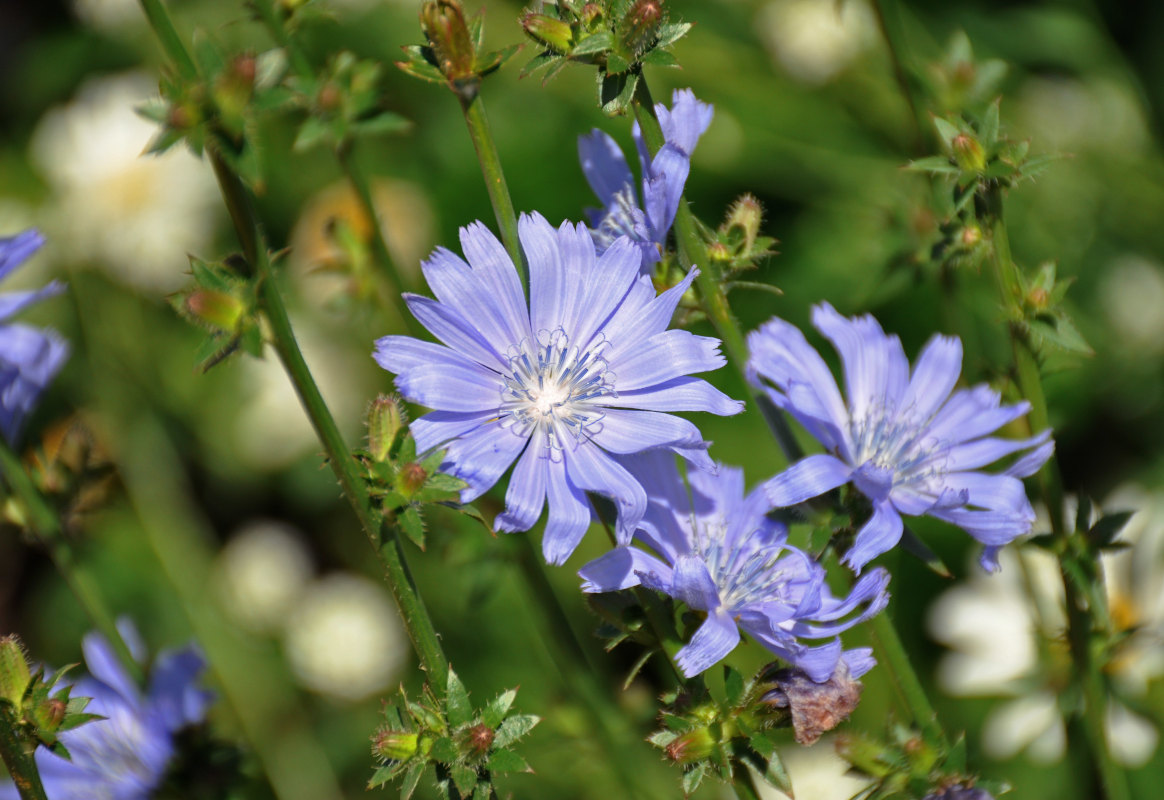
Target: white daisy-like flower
{"x": 136, "y": 215}
{"x": 813, "y": 40}
{"x": 262, "y": 572}
{"x": 818, "y": 773}
{"x": 1007, "y": 633}
{"x": 345, "y": 638}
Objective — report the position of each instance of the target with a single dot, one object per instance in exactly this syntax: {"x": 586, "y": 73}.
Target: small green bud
{"x": 718, "y": 251}
{"x": 412, "y": 478}
{"x": 971, "y": 235}
{"x": 217, "y": 309}
{"x": 479, "y": 739}
{"x": 14, "y": 673}
{"x": 1038, "y": 298}
{"x": 48, "y": 715}
{"x": 867, "y": 755}
{"x": 329, "y": 99}
{"x": 394, "y": 745}
{"x": 692, "y": 746}
{"x": 640, "y": 26}
{"x": 968, "y": 153}
{"x": 553, "y": 33}
{"x": 443, "y": 23}
{"x": 385, "y": 421}
{"x": 744, "y": 219}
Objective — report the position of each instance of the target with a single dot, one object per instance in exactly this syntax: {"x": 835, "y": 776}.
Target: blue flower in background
{"x": 719, "y": 553}
{"x": 126, "y": 755}
{"x": 29, "y": 357}
{"x": 645, "y": 218}
{"x": 904, "y": 441}
{"x": 565, "y": 386}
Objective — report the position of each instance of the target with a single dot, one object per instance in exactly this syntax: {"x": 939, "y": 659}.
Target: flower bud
{"x": 968, "y": 153}
{"x": 14, "y": 673}
{"x": 394, "y": 745}
{"x": 553, "y": 33}
{"x": 692, "y": 746}
{"x": 412, "y": 478}
{"x": 385, "y": 421}
{"x": 1038, "y": 298}
{"x": 640, "y": 26}
{"x": 971, "y": 235}
{"x": 815, "y": 707}
{"x": 443, "y": 23}
{"x": 745, "y": 217}
{"x": 217, "y": 309}
{"x": 48, "y": 715}
{"x": 329, "y": 98}
{"x": 479, "y": 739}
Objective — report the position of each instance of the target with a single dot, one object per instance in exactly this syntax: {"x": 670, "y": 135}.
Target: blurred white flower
{"x": 813, "y": 40}
{"x": 345, "y": 638}
{"x": 817, "y": 773}
{"x": 261, "y": 574}
{"x": 1131, "y": 293}
{"x": 1067, "y": 114}
{"x": 137, "y": 215}
{"x": 1007, "y": 631}
{"x": 108, "y": 14}
{"x": 271, "y": 429}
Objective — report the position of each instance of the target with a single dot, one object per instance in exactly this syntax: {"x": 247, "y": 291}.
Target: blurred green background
{"x": 220, "y": 522}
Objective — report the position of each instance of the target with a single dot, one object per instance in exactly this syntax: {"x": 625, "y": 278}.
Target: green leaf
{"x": 386, "y": 122}
{"x": 166, "y": 138}
{"x": 947, "y": 130}
{"x": 956, "y": 759}
{"x": 270, "y": 67}
{"x": 616, "y": 91}
{"x": 411, "y": 780}
{"x": 507, "y": 761}
{"x": 616, "y": 64}
{"x": 418, "y": 66}
{"x": 661, "y": 739}
{"x": 919, "y": 550}
{"x": 313, "y": 132}
{"x": 1104, "y": 531}
{"x": 493, "y": 714}
{"x": 444, "y": 750}
{"x": 514, "y": 728}
{"x": 693, "y": 777}
{"x": 733, "y": 684}
{"x": 1061, "y": 333}
{"x": 1083, "y": 513}
{"x": 412, "y": 523}
{"x": 988, "y": 131}
{"x": 659, "y": 58}
{"x": 594, "y": 43}
{"x": 441, "y": 482}
{"x": 938, "y": 164}
{"x": 494, "y": 61}
{"x": 464, "y": 777}
{"x": 484, "y": 791}
{"x": 383, "y": 775}
{"x": 540, "y": 61}
{"x": 776, "y": 774}
{"x": 637, "y": 667}
{"x": 460, "y": 709}
{"x": 671, "y": 32}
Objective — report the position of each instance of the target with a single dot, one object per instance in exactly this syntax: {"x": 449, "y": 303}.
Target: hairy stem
{"x": 20, "y": 763}
{"x": 46, "y": 526}
{"x": 478, "y": 123}
{"x": 1083, "y": 617}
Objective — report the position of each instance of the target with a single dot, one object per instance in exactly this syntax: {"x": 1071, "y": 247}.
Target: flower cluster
{"x": 29, "y": 356}
{"x": 645, "y": 218}
{"x": 566, "y": 385}
{"x": 902, "y": 439}
{"x": 719, "y": 553}
{"x": 126, "y": 755}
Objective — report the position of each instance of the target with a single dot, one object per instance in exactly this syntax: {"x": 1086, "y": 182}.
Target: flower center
{"x": 897, "y": 443}
{"x": 555, "y": 388}
{"x": 748, "y": 572}
{"x": 622, "y": 219}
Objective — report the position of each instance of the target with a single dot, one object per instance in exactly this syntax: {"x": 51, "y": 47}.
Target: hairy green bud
{"x": 549, "y": 31}
{"x": 394, "y": 745}
{"x": 386, "y": 419}
{"x": 14, "y": 672}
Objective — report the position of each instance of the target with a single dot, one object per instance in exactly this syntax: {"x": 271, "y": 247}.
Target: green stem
{"x": 478, "y": 123}
{"x": 383, "y": 537}
{"x": 892, "y": 30}
{"x": 913, "y": 693}
{"x": 171, "y": 43}
{"x": 1082, "y": 616}
{"x": 20, "y": 763}
{"x": 45, "y": 524}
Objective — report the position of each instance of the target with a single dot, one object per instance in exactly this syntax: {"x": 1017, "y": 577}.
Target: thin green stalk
{"x": 21, "y": 765}
{"x": 893, "y": 653}
{"x": 171, "y": 43}
{"x": 478, "y": 124}
{"x": 1082, "y": 616}
{"x": 889, "y": 21}
{"x": 383, "y": 537}
{"x": 45, "y": 524}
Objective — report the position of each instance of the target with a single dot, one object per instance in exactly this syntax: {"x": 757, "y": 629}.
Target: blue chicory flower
{"x": 126, "y": 755}
{"x": 565, "y": 385}
{"x": 718, "y": 552}
{"x": 646, "y": 218}
{"x": 904, "y": 441}
{"x": 29, "y": 357}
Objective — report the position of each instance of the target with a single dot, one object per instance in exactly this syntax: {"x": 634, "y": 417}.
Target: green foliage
{"x": 454, "y": 54}
{"x": 344, "y": 102}
{"x": 39, "y": 711}
{"x": 465, "y": 746}
{"x": 224, "y": 300}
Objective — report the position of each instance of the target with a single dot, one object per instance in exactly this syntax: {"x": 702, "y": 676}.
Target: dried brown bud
{"x": 480, "y": 739}
{"x": 815, "y": 707}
